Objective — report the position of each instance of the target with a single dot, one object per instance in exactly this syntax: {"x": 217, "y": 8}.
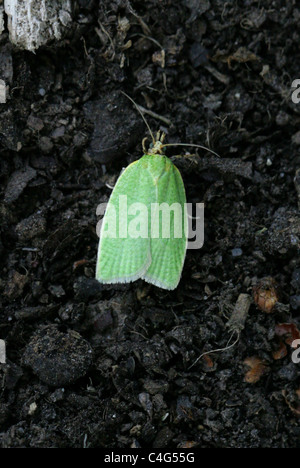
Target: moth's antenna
{"x": 140, "y": 112}
{"x": 190, "y": 144}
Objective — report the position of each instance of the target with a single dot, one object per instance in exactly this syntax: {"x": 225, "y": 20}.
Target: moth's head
{"x": 157, "y": 146}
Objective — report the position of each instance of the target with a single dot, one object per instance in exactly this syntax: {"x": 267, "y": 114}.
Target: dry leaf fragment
{"x": 258, "y": 368}
{"x": 208, "y": 361}
{"x": 188, "y": 444}
{"x": 79, "y": 263}
{"x": 241, "y": 55}
{"x": 293, "y": 403}
{"x": 281, "y": 352}
{"x": 265, "y": 294}
{"x": 289, "y": 329}
{"x": 290, "y": 333}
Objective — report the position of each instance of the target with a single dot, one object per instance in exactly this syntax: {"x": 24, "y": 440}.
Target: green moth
{"x": 144, "y": 229}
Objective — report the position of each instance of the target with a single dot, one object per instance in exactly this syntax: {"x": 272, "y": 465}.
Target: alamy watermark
{"x": 296, "y": 353}
{"x": 2, "y": 352}
{"x": 296, "y": 93}
{"x": 159, "y": 220}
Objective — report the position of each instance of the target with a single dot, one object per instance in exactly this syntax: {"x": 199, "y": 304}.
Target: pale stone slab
{"x": 2, "y": 352}
{"x": 32, "y": 23}
{"x": 1, "y": 19}
{"x": 2, "y": 92}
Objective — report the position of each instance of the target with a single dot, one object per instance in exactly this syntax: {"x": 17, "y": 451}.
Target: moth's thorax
{"x": 156, "y": 164}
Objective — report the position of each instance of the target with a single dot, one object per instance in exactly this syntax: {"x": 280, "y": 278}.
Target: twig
{"x": 155, "y": 115}
{"x": 239, "y": 314}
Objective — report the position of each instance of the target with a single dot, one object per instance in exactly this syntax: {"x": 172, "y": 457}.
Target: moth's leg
{"x": 144, "y": 145}
{"x": 162, "y": 137}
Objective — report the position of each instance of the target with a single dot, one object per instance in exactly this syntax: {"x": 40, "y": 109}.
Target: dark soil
{"x": 110, "y": 366}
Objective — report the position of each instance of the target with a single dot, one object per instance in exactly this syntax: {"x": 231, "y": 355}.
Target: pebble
{"x": 58, "y": 358}
{"x": 198, "y": 55}
{"x": 237, "y": 252}
{"x": 17, "y": 182}
{"x": 35, "y": 123}
{"x": 296, "y": 138}
{"x": 58, "y": 132}
{"x": 57, "y": 290}
{"x": 86, "y": 288}
{"x": 295, "y": 302}
{"x": 45, "y": 144}
{"x": 33, "y": 226}
{"x": 117, "y": 127}
{"x": 284, "y": 233}
{"x": 282, "y": 118}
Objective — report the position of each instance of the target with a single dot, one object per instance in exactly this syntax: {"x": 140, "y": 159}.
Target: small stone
{"x": 58, "y": 132}
{"x": 283, "y": 236}
{"x": 17, "y": 183}
{"x": 57, "y": 395}
{"x": 282, "y": 118}
{"x": 45, "y": 144}
{"x": 80, "y": 139}
{"x": 116, "y": 126}
{"x": 197, "y": 8}
{"x": 32, "y": 408}
{"x": 15, "y": 285}
{"x": 58, "y": 358}
{"x": 72, "y": 313}
{"x": 238, "y": 100}
{"x": 269, "y": 162}
{"x": 86, "y": 289}
{"x": 103, "y": 321}
{"x": 145, "y": 76}
{"x": 295, "y": 302}
{"x": 296, "y": 279}
{"x": 156, "y": 386}
{"x": 57, "y": 291}
{"x": 296, "y": 138}
{"x": 288, "y": 372}
{"x": 10, "y": 129}
{"x": 35, "y": 123}
{"x": 144, "y": 399}
{"x": 13, "y": 373}
{"x": 198, "y": 54}
{"x": 163, "y": 438}
{"x": 33, "y": 226}
{"x": 237, "y": 252}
